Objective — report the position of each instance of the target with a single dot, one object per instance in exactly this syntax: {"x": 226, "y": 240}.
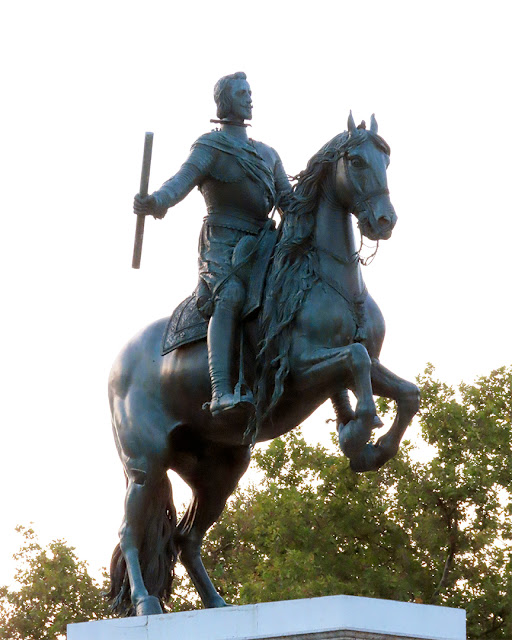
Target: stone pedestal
{"x": 331, "y": 617}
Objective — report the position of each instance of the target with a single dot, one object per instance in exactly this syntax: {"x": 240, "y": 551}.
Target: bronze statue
{"x": 317, "y": 334}
{"x": 242, "y": 181}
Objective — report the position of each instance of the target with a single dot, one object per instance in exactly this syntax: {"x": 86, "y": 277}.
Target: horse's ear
{"x": 351, "y": 124}
{"x": 374, "y": 127}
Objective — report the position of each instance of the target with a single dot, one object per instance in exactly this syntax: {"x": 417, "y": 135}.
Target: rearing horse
{"x": 319, "y": 335}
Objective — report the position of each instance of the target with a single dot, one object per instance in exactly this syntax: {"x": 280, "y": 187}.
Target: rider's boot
{"x": 221, "y": 341}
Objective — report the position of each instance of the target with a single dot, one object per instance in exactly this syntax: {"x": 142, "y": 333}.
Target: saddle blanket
{"x": 186, "y": 325}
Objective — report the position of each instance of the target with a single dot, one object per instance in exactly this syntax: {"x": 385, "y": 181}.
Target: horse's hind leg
{"x": 213, "y": 479}
{"x": 143, "y": 562}
{"x": 147, "y": 498}
{"x": 407, "y": 397}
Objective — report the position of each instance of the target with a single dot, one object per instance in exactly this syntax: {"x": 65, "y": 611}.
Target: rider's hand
{"x": 143, "y": 205}
{"x": 148, "y": 206}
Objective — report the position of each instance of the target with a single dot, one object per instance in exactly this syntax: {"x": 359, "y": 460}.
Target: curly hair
{"x": 221, "y": 93}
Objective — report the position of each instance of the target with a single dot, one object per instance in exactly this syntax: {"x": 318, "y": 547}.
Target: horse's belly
{"x": 185, "y": 377}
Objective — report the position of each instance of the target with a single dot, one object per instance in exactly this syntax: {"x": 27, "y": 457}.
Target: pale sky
{"x": 83, "y": 82}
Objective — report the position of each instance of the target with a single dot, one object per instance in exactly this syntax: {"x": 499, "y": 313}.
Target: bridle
{"x": 373, "y": 194}
{"x": 359, "y": 206}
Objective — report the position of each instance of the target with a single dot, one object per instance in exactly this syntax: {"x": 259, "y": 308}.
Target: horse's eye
{"x": 357, "y": 162}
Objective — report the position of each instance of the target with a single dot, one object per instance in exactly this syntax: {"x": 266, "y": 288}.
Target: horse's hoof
{"x": 366, "y": 460}
{"x": 388, "y": 448}
{"x": 377, "y": 423}
{"x": 148, "y": 606}
{"x": 353, "y": 437}
{"x": 371, "y": 458}
{"x": 218, "y": 603}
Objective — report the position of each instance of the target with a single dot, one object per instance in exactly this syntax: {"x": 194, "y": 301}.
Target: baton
{"x": 143, "y": 191}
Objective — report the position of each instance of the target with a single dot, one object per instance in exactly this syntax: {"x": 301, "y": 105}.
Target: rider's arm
{"x": 283, "y": 186}
{"x": 190, "y": 175}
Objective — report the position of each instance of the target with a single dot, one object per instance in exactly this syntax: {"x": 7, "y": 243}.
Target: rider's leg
{"x": 222, "y": 331}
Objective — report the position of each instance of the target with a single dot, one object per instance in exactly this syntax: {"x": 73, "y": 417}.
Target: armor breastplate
{"x": 234, "y": 191}
{"x": 238, "y": 179}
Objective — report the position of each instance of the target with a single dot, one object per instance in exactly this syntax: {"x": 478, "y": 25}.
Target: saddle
{"x": 189, "y": 322}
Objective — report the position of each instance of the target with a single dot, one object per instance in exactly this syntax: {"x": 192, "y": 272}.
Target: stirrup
{"x": 231, "y": 404}
{"x": 237, "y": 404}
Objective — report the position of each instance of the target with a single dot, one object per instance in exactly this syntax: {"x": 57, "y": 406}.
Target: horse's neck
{"x": 334, "y": 234}
{"x": 334, "y": 230}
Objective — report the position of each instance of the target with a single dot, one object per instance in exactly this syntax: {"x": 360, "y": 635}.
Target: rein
{"x": 336, "y": 256}
{"x": 355, "y": 303}
{"x": 369, "y": 259}
{"x": 357, "y": 207}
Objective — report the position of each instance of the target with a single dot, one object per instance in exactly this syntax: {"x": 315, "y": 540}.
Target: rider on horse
{"x": 241, "y": 181}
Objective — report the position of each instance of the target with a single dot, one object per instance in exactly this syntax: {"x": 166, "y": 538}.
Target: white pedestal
{"x": 331, "y": 617}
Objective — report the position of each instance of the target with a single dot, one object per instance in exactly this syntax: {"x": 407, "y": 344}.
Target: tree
{"x": 54, "y": 589}
{"x": 436, "y": 531}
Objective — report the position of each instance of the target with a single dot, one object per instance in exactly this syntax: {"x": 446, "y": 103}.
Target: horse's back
{"x": 138, "y": 358}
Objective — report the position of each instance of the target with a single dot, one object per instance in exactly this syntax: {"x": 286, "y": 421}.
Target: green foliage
{"x": 436, "y": 531}
{"x": 54, "y": 589}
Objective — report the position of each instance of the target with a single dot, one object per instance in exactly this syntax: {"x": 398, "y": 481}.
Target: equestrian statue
{"x": 280, "y": 322}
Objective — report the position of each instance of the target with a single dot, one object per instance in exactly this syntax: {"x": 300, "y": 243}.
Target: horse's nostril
{"x": 383, "y": 221}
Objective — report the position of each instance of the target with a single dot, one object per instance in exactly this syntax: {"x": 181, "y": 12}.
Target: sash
{"x": 248, "y": 159}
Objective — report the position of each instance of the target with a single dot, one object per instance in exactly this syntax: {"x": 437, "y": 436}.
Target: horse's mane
{"x": 293, "y": 270}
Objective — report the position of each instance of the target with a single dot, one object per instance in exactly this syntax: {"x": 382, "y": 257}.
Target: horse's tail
{"x": 157, "y": 555}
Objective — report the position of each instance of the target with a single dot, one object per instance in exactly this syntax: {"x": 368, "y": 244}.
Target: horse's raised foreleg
{"x": 213, "y": 480}
{"x": 329, "y": 368}
{"x": 407, "y": 397}
{"x": 342, "y": 407}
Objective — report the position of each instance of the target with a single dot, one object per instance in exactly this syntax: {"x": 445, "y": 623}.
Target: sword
{"x": 143, "y": 191}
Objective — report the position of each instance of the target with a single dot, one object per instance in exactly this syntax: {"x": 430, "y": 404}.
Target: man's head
{"x": 232, "y": 95}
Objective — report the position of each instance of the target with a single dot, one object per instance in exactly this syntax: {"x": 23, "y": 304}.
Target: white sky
{"x": 84, "y": 81}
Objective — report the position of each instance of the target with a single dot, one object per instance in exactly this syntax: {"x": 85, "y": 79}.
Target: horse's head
{"x": 361, "y": 182}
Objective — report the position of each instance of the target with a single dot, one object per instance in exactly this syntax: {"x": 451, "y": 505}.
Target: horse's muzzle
{"x": 378, "y": 225}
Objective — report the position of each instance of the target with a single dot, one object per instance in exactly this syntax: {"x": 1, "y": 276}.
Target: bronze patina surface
{"x": 317, "y": 334}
